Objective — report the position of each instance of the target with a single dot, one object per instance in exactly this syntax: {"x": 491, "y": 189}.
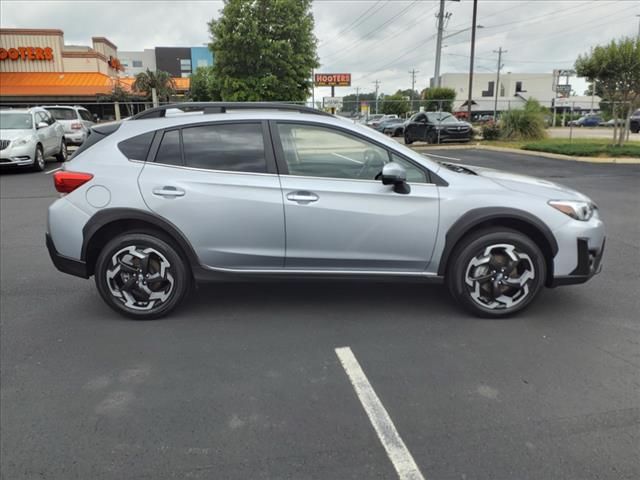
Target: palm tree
{"x": 161, "y": 81}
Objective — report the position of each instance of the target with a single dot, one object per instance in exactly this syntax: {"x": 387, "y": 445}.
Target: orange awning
{"x": 53, "y": 84}
{"x": 67, "y": 84}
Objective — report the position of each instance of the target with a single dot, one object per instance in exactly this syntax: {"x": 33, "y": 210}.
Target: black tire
{"x": 479, "y": 297}
{"x": 397, "y": 132}
{"x": 407, "y": 139}
{"x": 432, "y": 137}
{"x": 38, "y": 160}
{"x": 62, "y": 155}
{"x": 173, "y": 281}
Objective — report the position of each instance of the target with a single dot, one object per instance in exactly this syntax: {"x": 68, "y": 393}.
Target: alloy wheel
{"x": 500, "y": 277}
{"x": 140, "y": 277}
{"x": 40, "y": 159}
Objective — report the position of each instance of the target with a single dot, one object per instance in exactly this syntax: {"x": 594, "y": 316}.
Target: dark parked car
{"x": 634, "y": 123}
{"x": 587, "y": 121}
{"x": 436, "y": 127}
{"x": 394, "y": 127}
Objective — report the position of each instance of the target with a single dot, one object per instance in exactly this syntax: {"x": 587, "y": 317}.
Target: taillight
{"x": 76, "y": 126}
{"x": 67, "y": 182}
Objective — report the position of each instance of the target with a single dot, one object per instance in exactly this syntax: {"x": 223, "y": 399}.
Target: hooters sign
{"x": 332, "y": 79}
{"x": 30, "y": 54}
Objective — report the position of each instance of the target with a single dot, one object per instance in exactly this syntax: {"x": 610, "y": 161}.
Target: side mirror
{"x": 42, "y": 125}
{"x": 395, "y": 174}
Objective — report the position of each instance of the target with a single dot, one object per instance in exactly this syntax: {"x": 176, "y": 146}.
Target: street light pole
{"x": 377, "y": 84}
{"x": 436, "y": 74}
{"x": 473, "y": 51}
{"x": 495, "y": 104}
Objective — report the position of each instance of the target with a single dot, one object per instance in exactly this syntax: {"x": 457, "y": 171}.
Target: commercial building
{"x": 37, "y": 67}
{"x": 179, "y": 62}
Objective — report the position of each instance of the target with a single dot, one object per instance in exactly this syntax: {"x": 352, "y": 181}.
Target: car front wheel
{"x": 141, "y": 276}
{"x": 407, "y": 139}
{"x": 496, "y": 272}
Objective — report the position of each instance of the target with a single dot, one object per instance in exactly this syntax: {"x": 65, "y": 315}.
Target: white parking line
{"x": 426, "y": 154}
{"x": 397, "y": 451}
{"x": 51, "y": 171}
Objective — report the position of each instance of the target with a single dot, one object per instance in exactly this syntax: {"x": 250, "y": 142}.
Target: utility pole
{"x": 442, "y": 17}
{"x": 377, "y": 84}
{"x": 638, "y": 25}
{"x": 413, "y": 84}
{"x": 473, "y": 52}
{"x": 357, "y": 100}
{"x": 500, "y": 51}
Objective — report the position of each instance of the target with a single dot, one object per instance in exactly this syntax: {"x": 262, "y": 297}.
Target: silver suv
{"x": 77, "y": 122}
{"x": 213, "y": 191}
{"x": 28, "y": 136}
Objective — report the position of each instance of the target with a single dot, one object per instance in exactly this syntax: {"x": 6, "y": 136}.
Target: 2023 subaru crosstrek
{"x": 196, "y": 192}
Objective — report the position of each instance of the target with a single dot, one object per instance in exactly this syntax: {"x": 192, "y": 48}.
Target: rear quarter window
{"x": 137, "y": 148}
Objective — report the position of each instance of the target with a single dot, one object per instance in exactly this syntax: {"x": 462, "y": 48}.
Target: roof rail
{"x": 221, "y": 107}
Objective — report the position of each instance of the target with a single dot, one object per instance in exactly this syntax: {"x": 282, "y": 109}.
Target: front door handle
{"x": 168, "y": 191}
{"x": 302, "y": 197}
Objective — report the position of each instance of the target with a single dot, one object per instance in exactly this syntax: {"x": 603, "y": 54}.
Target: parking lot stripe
{"x": 397, "y": 451}
{"x": 427, "y": 154}
{"x": 51, "y": 171}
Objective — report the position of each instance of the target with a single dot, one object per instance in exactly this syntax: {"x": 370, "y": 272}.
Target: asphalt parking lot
{"x": 243, "y": 381}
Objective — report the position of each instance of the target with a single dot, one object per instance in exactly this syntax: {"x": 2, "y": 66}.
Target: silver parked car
{"x": 77, "y": 122}
{"x": 28, "y": 136}
{"x": 276, "y": 191}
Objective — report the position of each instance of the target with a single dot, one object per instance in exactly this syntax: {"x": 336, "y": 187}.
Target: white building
{"x": 513, "y": 91}
{"x": 136, "y": 62}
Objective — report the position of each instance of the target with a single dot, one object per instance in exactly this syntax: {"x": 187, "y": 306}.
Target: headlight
{"x": 23, "y": 141}
{"x": 576, "y": 209}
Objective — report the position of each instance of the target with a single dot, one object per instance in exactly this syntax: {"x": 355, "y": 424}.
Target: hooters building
{"x": 37, "y": 67}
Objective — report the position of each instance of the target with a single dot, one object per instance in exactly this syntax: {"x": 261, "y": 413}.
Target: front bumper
{"x": 589, "y": 264}
{"x": 18, "y": 155}
{"x": 65, "y": 264}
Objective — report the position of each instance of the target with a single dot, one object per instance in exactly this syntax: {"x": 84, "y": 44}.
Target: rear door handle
{"x": 302, "y": 197}
{"x": 168, "y": 191}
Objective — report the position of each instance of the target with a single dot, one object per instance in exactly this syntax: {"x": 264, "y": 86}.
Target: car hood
{"x": 12, "y": 134}
{"x": 529, "y": 185}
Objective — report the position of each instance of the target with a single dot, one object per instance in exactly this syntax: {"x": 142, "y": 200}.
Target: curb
{"x": 555, "y": 156}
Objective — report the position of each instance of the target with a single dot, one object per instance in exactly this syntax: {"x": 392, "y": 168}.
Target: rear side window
{"x": 237, "y": 147}
{"x": 169, "y": 150}
{"x": 137, "y": 148}
{"x": 85, "y": 115}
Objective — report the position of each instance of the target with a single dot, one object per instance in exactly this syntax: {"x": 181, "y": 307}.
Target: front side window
{"x": 315, "y": 151}
{"x": 234, "y": 147}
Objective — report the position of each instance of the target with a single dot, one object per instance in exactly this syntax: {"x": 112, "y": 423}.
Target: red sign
{"x": 333, "y": 79}
{"x": 26, "y": 53}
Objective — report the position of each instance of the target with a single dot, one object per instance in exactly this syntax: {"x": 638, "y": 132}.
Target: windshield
{"x": 441, "y": 117}
{"x": 63, "y": 113}
{"x": 16, "y": 121}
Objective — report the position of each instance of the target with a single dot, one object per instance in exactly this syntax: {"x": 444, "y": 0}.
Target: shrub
{"x": 525, "y": 124}
{"x": 491, "y": 131}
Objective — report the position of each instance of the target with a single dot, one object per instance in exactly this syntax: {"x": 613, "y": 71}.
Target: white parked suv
{"x": 77, "y": 121}
{"x": 28, "y": 136}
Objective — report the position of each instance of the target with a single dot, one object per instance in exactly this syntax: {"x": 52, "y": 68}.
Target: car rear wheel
{"x": 38, "y": 161}
{"x": 62, "y": 155}
{"x": 141, "y": 276}
{"x": 496, "y": 272}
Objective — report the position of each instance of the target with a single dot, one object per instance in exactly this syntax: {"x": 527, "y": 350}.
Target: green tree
{"x": 264, "y": 50}
{"x": 350, "y": 102}
{"x": 202, "y": 86}
{"x": 395, "y": 104}
{"x": 616, "y": 69}
{"x": 161, "y": 81}
{"x": 438, "y": 98}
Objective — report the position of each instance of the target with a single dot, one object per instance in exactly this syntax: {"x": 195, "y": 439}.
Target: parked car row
{"x": 430, "y": 127}
{"x": 597, "y": 121}
{"x": 29, "y": 135}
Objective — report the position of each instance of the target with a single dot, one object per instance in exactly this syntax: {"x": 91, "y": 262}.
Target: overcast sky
{"x": 372, "y": 39}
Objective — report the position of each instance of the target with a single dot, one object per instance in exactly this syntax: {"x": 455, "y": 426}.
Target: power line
{"x": 371, "y": 32}
{"x": 353, "y": 23}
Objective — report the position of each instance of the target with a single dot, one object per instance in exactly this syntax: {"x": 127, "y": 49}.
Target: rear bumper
{"x": 76, "y": 137}
{"x": 66, "y": 264}
{"x": 589, "y": 264}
